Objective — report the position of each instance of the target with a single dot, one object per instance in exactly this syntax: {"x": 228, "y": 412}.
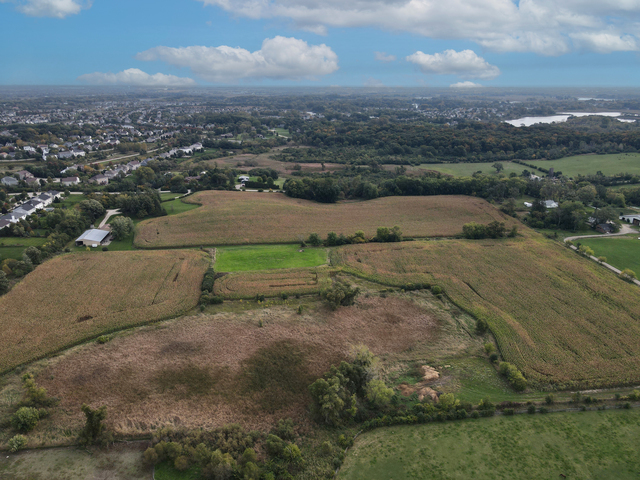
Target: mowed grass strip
{"x": 610, "y": 164}
{"x": 587, "y": 445}
{"x": 621, "y": 252}
{"x": 267, "y": 257}
{"x": 562, "y": 319}
{"x": 78, "y": 296}
{"x": 236, "y": 218}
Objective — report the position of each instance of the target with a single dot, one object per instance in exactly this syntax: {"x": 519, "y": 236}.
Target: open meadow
{"x": 565, "y": 321}
{"x": 468, "y": 169}
{"x": 586, "y": 445}
{"x": 621, "y": 252}
{"x": 232, "y": 218}
{"x": 610, "y": 164}
{"x": 75, "y": 297}
{"x": 267, "y": 257}
{"x": 251, "y": 367}
{"x": 12, "y": 247}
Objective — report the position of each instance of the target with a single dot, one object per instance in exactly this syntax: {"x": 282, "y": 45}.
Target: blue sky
{"x": 330, "y": 42}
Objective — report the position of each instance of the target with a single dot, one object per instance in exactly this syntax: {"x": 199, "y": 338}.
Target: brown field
{"x": 231, "y": 218}
{"x": 563, "y": 320}
{"x": 272, "y": 282}
{"x": 210, "y": 370}
{"x": 75, "y": 297}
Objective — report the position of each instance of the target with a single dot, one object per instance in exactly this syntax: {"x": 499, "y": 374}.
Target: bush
{"x": 494, "y": 357}
{"x": 150, "y": 456}
{"x": 634, "y": 396}
{"x": 181, "y": 463}
{"x": 284, "y": 296}
{"x": 514, "y": 376}
{"x": 102, "y": 339}
{"x": 627, "y": 405}
{"x": 326, "y": 448}
{"x": 105, "y": 249}
{"x": 628, "y": 275}
{"x": 531, "y": 409}
{"x": 17, "y": 443}
{"x": 339, "y": 293}
{"x": 549, "y": 399}
{"x": 481, "y": 326}
{"x": 543, "y": 410}
{"x": 436, "y": 290}
{"x": 314, "y": 240}
{"x": 208, "y": 280}
{"x": 475, "y": 414}
{"x": 25, "y": 419}
{"x": 509, "y": 411}
{"x": 489, "y": 348}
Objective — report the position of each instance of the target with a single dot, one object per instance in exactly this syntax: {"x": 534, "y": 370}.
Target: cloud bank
{"x": 136, "y": 77}
{"x": 279, "y": 58}
{"x": 547, "y": 27}
{"x": 383, "y": 57}
{"x": 466, "y": 84}
{"x": 465, "y": 64}
{"x": 49, "y": 8}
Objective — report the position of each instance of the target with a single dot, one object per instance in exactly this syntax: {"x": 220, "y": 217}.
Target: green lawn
{"x": 621, "y": 252}
{"x": 585, "y": 445}
{"x": 591, "y": 164}
{"x": 12, "y": 247}
{"x": 267, "y": 257}
{"x": 174, "y": 207}
{"x": 166, "y": 471}
{"x": 168, "y": 196}
{"x": 283, "y": 132}
{"x": 468, "y": 169}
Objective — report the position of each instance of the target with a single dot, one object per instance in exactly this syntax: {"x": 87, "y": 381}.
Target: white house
{"x": 9, "y": 181}
{"x": 70, "y": 181}
{"x": 100, "y": 180}
{"x": 550, "y": 204}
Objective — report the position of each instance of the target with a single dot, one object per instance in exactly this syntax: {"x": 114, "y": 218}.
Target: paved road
{"x": 110, "y": 213}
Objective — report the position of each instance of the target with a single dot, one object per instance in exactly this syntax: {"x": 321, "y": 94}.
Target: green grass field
{"x": 468, "y": 169}
{"x": 621, "y": 252}
{"x": 585, "y": 445}
{"x": 174, "y": 207}
{"x": 268, "y": 257}
{"x": 591, "y": 164}
{"x": 12, "y": 247}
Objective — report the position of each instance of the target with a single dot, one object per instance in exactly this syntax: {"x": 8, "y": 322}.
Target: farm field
{"x": 610, "y": 164}
{"x": 563, "y": 320}
{"x": 74, "y": 297}
{"x": 468, "y": 169}
{"x": 586, "y": 445}
{"x": 267, "y": 257}
{"x": 271, "y": 283}
{"x": 621, "y": 252}
{"x": 231, "y": 218}
{"x": 179, "y": 205}
{"x": 12, "y": 247}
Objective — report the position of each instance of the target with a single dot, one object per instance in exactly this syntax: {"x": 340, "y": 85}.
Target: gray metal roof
{"x": 93, "y": 235}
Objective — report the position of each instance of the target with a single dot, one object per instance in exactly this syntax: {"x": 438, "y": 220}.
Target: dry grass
{"x": 272, "y": 282}
{"x": 231, "y": 218}
{"x": 563, "y": 320}
{"x": 74, "y": 297}
{"x": 206, "y": 371}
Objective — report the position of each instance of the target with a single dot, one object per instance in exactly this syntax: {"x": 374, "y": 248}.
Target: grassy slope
{"x": 590, "y": 445}
{"x": 621, "y": 252}
{"x": 561, "y": 319}
{"x": 266, "y": 257}
{"x": 232, "y": 218}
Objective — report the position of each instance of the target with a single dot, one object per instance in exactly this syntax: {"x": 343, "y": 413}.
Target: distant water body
{"x": 528, "y": 121}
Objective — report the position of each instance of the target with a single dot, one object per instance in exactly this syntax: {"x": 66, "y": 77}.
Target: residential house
{"x": 634, "y": 219}
{"x": 604, "y": 228}
{"x": 100, "y": 179}
{"x": 550, "y": 204}
{"x": 70, "y": 181}
{"x": 134, "y": 165}
{"x": 9, "y": 181}
{"x": 65, "y": 155}
{"x": 23, "y": 174}
{"x": 4, "y": 223}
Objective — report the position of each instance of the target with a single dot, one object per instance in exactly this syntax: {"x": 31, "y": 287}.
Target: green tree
{"x": 314, "y": 240}
{"x": 121, "y": 227}
{"x": 378, "y": 393}
{"x": 498, "y": 166}
{"x": 92, "y": 209}
{"x": 34, "y": 255}
{"x": 332, "y": 401}
{"x": 18, "y": 442}
{"x": 94, "y": 426}
{"x": 340, "y": 294}
{"x": 4, "y": 283}
{"x": 628, "y": 275}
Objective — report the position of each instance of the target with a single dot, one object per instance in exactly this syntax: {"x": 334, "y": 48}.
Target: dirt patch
{"x": 429, "y": 376}
{"x": 206, "y": 371}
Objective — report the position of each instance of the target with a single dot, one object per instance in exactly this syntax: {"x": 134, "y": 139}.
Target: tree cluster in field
{"x": 339, "y": 293}
{"x": 383, "y": 235}
{"x": 207, "y": 297}
{"x": 495, "y": 229}
{"x": 229, "y": 452}
{"x": 513, "y": 375}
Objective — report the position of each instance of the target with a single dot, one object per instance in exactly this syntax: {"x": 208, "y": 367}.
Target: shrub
{"x": 634, "y": 396}
{"x": 208, "y": 280}
{"x": 436, "y": 290}
{"x": 17, "y": 443}
{"x": 284, "y": 296}
{"x": 94, "y": 427}
{"x": 345, "y": 441}
{"x": 102, "y": 339}
{"x": 339, "y": 293}
{"x": 150, "y": 456}
{"x": 493, "y": 357}
{"x": 543, "y": 410}
{"x": 627, "y": 405}
{"x": 314, "y": 240}
{"x": 489, "y": 348}
{"x": 628, "y": 275}
{"x": 549, "y": 399}
{"x": 105, "y": 249}
{"x": 509, "y": 411}
{"x": 514, "y": 376}
{"x": 326, "y": 448}
{"x": 531, "y": 409}
{"x": 25, "y": 419}
{"x": 481, "y": 326}
{"x": 284, "y": 429}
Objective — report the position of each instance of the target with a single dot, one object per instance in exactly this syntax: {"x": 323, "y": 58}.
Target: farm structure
{"x": 93, "y": 237}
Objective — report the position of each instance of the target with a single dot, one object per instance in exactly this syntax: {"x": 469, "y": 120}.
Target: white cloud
{"x": 546, "y": 27}
{"x": 49, "y": 8}
{"x": 279, "y": 58}
{"x": 383, "y": 57}
{"x": 136, "y": 77}
{"x": 466, "y": 84}
{"x": 373, "y": 82}
{"x": 465, "y": 63}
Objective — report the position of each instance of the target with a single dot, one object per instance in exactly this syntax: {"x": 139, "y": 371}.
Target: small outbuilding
{"x": 92, "y": 237}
